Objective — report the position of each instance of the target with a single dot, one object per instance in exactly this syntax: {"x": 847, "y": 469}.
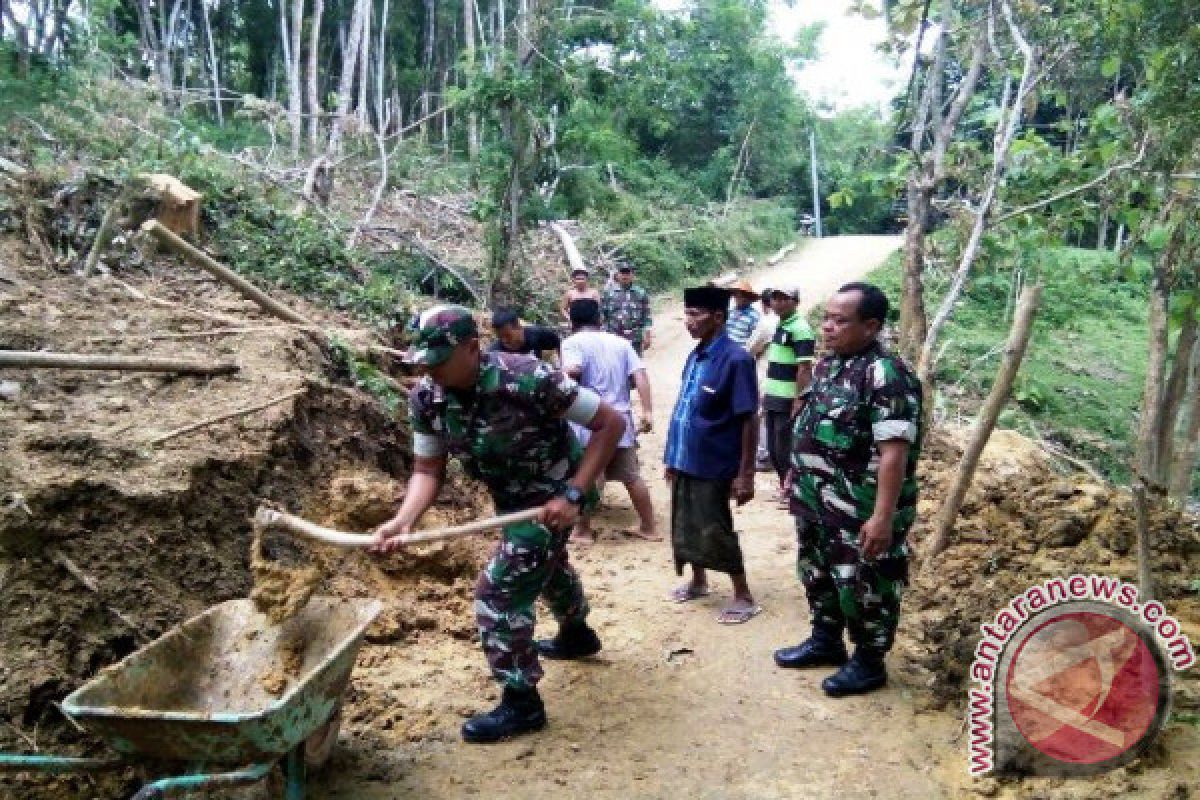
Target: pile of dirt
{"x": 108, "y": 540}
{"x": 1020, "y": 524}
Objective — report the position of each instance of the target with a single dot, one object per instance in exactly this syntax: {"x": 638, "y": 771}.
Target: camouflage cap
{"x": 438, "y": 331}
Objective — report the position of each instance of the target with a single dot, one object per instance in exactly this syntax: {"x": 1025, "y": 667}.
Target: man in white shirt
{"x": 605, "y": 363}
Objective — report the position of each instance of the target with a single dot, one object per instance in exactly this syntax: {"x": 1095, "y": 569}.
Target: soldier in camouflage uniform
{"x": 504, "y": 416}
{"x": 854, "y": 493}
{"x": 626, "y": 310}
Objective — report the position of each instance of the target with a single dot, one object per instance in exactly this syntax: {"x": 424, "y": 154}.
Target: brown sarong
{"x": 702, "y": 526}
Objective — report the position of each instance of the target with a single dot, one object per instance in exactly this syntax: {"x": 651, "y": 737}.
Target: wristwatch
{"x": 572, "y": 494}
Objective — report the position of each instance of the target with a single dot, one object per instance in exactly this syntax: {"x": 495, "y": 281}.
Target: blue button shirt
{"x": 720, "y": 387}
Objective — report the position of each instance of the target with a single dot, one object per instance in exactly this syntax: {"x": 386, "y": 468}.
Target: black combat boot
{"x": 572, "y": 642}
{"x": 519, "y": 712}
{"x": 823, "y": 649}
{"x": 863, "y": 673}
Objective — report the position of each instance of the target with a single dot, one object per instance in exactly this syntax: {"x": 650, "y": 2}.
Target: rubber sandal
{"x": 685, "y": 594}
{"x": 737, "y": 616}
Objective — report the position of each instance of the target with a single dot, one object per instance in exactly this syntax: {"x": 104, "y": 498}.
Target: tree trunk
{"x": 212, "y": 63}
{"x": 1186, "y": 448}
{"x": 923, "y": 183}
{"x": 349, "y": 65}
{"x": 313, "y": 79}
{"x": 364, "y": 61}
{"x": 1148, "y": 468}
{"x": 427, "y": 64}
{"x": 381, "y": 115}
{"x": 1012, "y": 109}
{"x": 1145, "y": 568}
{"x": 1014, "y": 352}
{"x": 469, "y": 56}
{"x": 295, "y": 101}
{"x": 1173, "y": 395}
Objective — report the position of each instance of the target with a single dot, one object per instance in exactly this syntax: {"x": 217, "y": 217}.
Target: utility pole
{"x": 812, "y": 149}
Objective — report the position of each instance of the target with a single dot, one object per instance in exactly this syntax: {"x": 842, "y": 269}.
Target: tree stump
{"x": 178, "y": 205}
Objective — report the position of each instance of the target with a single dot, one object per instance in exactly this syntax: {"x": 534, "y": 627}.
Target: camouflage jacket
{"x": 510, "y": 431}
{"x": 626, "y": 312}
{"x": 853, "y": 403}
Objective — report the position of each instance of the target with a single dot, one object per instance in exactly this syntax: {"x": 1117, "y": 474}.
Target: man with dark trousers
{"x": 854, "y": 493}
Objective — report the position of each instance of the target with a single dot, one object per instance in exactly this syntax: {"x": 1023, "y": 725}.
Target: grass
{"x": 1081, "y": 381}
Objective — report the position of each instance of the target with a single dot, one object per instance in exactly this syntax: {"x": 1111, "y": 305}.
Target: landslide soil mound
{"x": 107, "y": 540}
{"x": 1022, "y": 523}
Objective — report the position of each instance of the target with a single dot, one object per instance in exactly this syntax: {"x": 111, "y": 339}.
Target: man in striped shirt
{"x": 744, "y": 315}
{"x": 789, "y": 370}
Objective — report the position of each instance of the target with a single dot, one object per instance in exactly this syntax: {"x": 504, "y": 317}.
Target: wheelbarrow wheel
{"x": 318, "y": 747}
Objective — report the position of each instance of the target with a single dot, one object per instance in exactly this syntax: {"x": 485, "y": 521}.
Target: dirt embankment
{"x": 107, "y": 540}
{"x": 1022, "y": 523}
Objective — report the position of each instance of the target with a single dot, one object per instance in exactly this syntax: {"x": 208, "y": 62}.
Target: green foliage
{"x": 1081, "y": 380}
{"x": 364, "y": 375}
{"x": 706, "y": 246}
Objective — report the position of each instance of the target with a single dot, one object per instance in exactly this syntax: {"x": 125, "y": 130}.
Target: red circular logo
{"x": 1083, "y": 687}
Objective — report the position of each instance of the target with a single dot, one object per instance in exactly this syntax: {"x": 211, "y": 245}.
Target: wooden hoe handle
{"x": 270, "y": 519}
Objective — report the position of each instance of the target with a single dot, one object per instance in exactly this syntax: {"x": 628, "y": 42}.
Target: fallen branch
{"x": 240, "y": 412}
{"x": 781, "y": 254}
{"x": 379, "y": 189}
{"x": 171, "y": 304}
{"x": 89, "y": 583}
{"x": 153, "y": 337}
{"x": 1083, "y": 187}
{"x": 568, "y": 244}
{"x": 414, "y": 241}
{"x": 616, "y": 237}
{"x": 105, "y": 234}
{"x": 1014, "y": 351}
{"x": 226, "y": 275}
{"x": 34, "y": 359}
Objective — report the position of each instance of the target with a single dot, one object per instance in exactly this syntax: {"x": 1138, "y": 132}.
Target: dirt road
{"x": 675, "y": 705}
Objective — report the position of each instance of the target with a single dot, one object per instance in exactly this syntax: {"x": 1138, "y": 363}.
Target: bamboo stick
{"x": 240, "y": 412}
{"x": 220, "y": 271}
{"x": 29, "y": 359}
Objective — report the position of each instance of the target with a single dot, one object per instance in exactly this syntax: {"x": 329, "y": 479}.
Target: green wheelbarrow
{"x": 227, "y": 693}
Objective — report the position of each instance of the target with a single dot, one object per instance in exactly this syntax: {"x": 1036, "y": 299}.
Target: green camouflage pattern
{"x": 846, "y": 592}
{"x": 530, "y": 561}
{"x": 627, "y": 313}
{"x": 854, "y": 402}
{"x": 438, "y": 332}
{"x": 509, "y": 431}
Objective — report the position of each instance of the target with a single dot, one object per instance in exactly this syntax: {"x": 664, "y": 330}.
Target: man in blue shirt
{"x": 710, "y": 453}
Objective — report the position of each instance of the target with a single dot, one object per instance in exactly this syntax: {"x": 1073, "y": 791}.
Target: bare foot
{"x": 584, "y": 536}
{"x": 646, "y": 536}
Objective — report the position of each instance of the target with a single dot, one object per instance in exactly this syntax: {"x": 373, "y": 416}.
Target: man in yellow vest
{"x": 789, "y": 370}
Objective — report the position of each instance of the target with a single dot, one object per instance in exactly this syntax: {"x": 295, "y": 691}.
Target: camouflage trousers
{"x": 530, "y": 561}
{"x": 846, "y": 592}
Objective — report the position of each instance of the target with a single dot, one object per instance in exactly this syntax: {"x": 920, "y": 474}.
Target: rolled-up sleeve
{"x": 895, "y": 403}
{"x": 427, "y": 439}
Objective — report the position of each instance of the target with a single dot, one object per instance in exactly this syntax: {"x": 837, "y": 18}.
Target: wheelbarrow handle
{"x": 271, "y": 519}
